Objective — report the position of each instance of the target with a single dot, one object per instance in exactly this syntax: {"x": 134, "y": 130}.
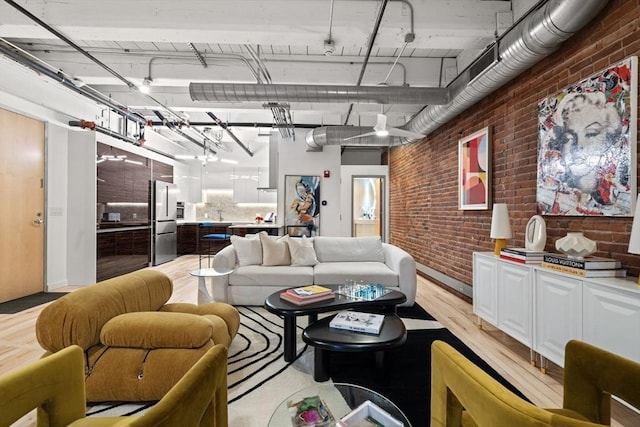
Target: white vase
{"x": 575, "y": 245}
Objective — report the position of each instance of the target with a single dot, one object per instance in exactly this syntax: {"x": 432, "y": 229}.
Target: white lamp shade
{"x": 634, "y": 240}
{"x": 500, "y": 225}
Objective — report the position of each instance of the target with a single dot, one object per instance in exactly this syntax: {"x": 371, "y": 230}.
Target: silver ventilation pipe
{"x": 534, "y": 38}
{"x": 327, "y": 135}
{"x": 286, "y": 93}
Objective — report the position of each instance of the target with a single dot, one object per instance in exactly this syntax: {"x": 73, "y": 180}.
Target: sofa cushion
{"x": 248, "y": 249}
{"x": 335, "y": 273}
{"x": 285, "y": 276}
{"x": 348, "y": 249}
{"x": 155, "y": 329}
{"x": 275, "y": 251}
{"x": 302, "y": 251}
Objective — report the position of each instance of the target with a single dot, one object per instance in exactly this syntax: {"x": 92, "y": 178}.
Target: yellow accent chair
{"x": 54, "y": 386}
{"x": 462, "y": 394}
{"x": 136, "y": 345}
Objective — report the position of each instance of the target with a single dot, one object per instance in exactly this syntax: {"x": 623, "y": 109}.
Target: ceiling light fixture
{"x": 145, "y": 87}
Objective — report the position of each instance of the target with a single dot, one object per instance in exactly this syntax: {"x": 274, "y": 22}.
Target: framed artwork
{"x": 587, "y": 156}
{"x": 474, "y": 171}
{"x": 302, "y": 205}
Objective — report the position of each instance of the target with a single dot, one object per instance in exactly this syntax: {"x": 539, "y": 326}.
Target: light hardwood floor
{"x": 18, "y": 344}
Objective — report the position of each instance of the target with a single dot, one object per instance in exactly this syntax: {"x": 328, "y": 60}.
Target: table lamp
{"x": 500, "y": 226}
{"x": 634, "y": 239}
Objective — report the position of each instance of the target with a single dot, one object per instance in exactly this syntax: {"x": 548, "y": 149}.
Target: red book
{"x": 520, "y": 260}
{"x": 294, "y": 299}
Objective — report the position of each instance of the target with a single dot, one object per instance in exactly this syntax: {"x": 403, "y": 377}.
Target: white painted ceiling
{"x": 162, "y": 39}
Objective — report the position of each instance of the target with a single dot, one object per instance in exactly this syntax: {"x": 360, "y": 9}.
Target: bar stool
{"x": 214, "y": 241}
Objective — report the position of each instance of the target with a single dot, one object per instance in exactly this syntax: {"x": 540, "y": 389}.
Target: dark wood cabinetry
{"x": 187, "y": 239}
{"x": 124, "y": 189}
{"x": 122, "y": 251}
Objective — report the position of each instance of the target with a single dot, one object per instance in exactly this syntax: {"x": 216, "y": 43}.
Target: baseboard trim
{"x": 446, "y": 281}
{"x": 56, "y": 285}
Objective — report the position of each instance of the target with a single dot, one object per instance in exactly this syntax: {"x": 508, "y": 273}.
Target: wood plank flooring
{"x": 18, "y": 344}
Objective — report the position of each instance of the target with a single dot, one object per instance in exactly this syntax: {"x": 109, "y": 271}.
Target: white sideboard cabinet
{"x": 544, "y": 309}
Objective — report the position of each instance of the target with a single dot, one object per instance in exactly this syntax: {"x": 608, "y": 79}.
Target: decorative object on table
{"x": 535, "y": 234}
{"x": 634, "y": 239}
{"x": 576, "y": 245}
{"x": 357, "y": 321}
{"x": 302, "y": 205}
{"x": 259, "y": 218}
{"x": 522, "y": 255}
{"x": 500, "y": 226}
{"x": 474, "y": 171}
{"x": 586, "y": 145}
{"x": 310, "y": 411}
{"x": 307, "y": 294}
{"x": 369, "y": 414}
{"x": 367, "y": 292}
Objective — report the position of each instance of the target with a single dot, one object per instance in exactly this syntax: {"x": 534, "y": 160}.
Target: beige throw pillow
{"x": 302, "y": 251}
{"x": 248, "y": 249}
{"x": 274, "y": 251}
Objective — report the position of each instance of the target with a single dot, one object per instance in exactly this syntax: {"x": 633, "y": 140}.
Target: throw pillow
{"x": 248, "y": 249}
{"x": 274, "y": 251}
{"x": 302, "y": 251}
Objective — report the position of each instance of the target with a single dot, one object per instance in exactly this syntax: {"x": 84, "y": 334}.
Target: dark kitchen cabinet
{"x": 122, "y": 251}
{"x": 187, "y": 239}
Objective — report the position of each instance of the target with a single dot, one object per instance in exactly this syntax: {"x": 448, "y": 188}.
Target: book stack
{"x": 307, "y": 294}
{"x": 522, "y": 255}
{"x": 588, "y": 267}
{"x": 359, "y": 322}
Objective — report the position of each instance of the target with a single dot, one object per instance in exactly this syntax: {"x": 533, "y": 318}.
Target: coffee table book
{"x": 298, "y": 300}
{"x": 616, "y": 272}
{"x": 309, "y": 291}
{"x": 368, "y": 414}
{"x": 369, "y": 323}
{"x": 587, "y": 263}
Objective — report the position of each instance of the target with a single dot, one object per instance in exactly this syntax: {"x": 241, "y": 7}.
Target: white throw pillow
{"x": 248, "y": 249}
{"x": 302, "y": 251}
{"x": 274, "y": 251}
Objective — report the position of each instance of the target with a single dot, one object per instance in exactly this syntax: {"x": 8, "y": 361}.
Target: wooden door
{"x": 22, "y": 206}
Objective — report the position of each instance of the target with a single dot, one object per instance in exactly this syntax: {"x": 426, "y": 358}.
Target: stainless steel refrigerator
{"x": 165, "y": 198}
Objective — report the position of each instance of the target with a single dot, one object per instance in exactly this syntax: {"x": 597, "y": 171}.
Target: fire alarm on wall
{"x": 327, "y": 174}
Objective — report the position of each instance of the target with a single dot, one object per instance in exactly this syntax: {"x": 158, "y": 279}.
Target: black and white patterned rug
{"x": 259, "y": 379}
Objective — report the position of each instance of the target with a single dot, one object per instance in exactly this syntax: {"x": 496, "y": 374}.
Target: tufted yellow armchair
{"x": 55, "y": 386}
{"x": 462, "y": 394}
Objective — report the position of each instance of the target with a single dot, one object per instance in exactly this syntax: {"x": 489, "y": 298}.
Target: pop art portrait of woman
{"x": 586, "y": 140}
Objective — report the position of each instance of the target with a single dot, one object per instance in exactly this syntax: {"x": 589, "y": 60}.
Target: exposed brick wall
{"x": 424, "y": 215}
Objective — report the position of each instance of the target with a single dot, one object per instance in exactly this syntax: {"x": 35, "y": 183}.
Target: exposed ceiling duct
{"x": 286, "y": 93}
{"x": 535, "y": 37}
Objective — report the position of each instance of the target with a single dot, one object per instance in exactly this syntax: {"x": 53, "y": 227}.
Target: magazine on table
{"x": 310, "y": 411}
{"x": 357, "y": 321}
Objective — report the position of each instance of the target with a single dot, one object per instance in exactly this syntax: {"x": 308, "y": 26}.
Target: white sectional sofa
{"x": 265, "y": 264}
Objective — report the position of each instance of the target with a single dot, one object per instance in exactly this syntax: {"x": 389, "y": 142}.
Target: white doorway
{"x": 367, "y": 206}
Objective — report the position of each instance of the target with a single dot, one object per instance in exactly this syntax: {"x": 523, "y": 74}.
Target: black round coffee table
{"x": 289, "y": 312}
{"x": 325, "y": 339}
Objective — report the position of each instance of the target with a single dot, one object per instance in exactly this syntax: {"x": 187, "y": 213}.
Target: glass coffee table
{"x": 289, "y": 312}
{"x": 341, "y": 400}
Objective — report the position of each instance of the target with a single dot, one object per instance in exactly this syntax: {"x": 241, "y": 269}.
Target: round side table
{"x": 204, "y": 296}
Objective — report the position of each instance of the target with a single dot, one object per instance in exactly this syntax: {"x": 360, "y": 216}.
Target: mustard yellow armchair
{"x": 462, "y": 394}
{"x": 55, "y": 386}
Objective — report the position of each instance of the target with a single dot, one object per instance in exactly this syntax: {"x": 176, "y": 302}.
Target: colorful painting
{"x": 302, "y": 205}
{"x": 474, "y": 170}
{"x": 587, "y": 145}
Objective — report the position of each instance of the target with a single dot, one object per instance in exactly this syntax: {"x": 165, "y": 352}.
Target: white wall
{"x": 81, "y": 208}
{"x": 56, "y": 206}
{"x": 293, "y": 159}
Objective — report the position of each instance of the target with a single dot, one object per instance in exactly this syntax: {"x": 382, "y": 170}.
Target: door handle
{"x": 38, "y": 221}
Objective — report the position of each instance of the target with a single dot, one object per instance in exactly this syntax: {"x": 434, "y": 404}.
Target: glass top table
{"x": 341, "y": 400}
{"x": 203, "y": 293}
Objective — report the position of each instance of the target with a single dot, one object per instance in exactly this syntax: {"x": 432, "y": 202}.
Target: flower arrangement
{"x": 259, "y": 218}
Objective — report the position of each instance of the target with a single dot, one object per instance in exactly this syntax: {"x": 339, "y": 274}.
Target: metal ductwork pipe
{"x": 327, "y": 135}
{"x": 285, "y": 93}
{"x": 534, "y": 38}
